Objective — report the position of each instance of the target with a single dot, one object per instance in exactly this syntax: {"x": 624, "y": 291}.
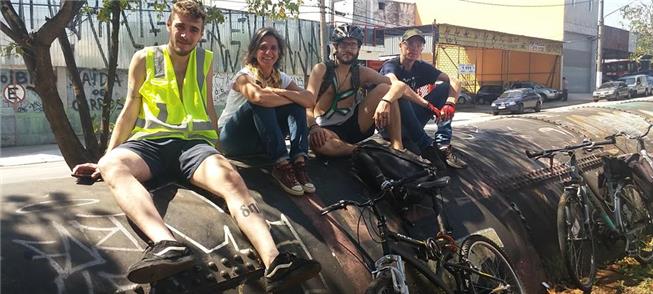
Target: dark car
{"x": 611, "y": 91}
{"x": 545, "y": 92}
{"x": 488, "y": 93}
{"x": 465, "y": 97}
{"x": 516, "y": 101}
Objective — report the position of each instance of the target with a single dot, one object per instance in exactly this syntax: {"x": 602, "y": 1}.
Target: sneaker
{"x": 285, "y": 175}
{"x": 432, "y": 154}
{"x": 302, "y": 176}
{"x": 451, "y": 158}
{"x": 288, "y": 270}
{"x": 161, "y": 260}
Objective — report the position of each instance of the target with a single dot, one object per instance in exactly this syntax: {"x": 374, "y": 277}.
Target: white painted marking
{"x": 58, "y": 205}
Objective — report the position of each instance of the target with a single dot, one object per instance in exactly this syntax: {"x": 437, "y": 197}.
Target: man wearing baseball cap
{"x": 410, "y": 69}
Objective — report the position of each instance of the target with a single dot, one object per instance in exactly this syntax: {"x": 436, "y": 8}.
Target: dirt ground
{"x": 625, "y": 276}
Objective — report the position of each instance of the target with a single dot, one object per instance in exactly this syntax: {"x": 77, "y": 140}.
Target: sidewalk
{"x": 22, "y": 155}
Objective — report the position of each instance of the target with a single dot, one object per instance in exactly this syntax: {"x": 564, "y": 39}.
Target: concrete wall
{"x": 508, "y": 16}
{"x": 579, "y": 48}
{"x": 579, "y": 65}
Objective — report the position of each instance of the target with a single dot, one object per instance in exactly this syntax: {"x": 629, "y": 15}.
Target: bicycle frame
{"x": 443, "y": 261}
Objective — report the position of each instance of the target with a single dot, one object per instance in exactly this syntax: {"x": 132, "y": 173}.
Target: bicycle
{"x": 619, "y": 190}
{"x": 574, "y": 216}
{"x": 640, "y": 169}
{"x": 478, "y": 265}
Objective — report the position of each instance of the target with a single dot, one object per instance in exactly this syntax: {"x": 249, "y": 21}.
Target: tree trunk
{"x": 107, "y": 100}
{"x": 39, "y": 65}
{"x": 35, "y": 48}
{"x": 80, "y": 96}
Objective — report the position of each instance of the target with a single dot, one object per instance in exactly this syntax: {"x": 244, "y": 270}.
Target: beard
{"x": 341, "y": 60}
{"x": 181, "y": 52}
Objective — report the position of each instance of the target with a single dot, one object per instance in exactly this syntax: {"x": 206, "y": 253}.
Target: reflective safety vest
{"x": 163, "y": 113}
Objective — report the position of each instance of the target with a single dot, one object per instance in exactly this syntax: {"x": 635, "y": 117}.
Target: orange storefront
{"x": 478, "y": 57}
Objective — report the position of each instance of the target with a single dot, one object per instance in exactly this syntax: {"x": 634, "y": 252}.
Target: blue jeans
{"x": 414, "y": 118}
{"x": 255, "y": 129}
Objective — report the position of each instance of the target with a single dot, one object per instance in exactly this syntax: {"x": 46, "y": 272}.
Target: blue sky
{"x": 615, "y": 19}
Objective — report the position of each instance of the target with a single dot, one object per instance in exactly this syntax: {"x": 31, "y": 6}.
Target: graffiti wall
{"x": 21, "y": 111}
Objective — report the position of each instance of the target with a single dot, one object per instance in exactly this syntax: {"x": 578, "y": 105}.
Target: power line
{"x": 526, "y": 5}
{"x": 611, "y": 12}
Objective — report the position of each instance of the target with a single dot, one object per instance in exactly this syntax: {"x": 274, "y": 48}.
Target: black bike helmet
{"x": 347, "y": 31}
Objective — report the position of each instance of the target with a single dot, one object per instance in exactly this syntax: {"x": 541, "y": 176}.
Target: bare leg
{"x": 366, "y": 115}
{"x": 123, "y": 171}
{"x": 216, "y": 175}
{"x": 334, "y": 146}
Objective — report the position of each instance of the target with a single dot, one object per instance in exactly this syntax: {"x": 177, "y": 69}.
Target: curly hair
{"x": 192, "y": 8}
{"x": 255, "y": 43}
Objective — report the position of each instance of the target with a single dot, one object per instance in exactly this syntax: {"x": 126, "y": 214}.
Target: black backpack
{"x": 327, "y": 81}
{"x": 374, "y": 162}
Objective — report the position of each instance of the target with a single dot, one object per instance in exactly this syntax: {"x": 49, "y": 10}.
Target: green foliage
{"x": 11, "y": 50}
{"x": 276, "y": 9}
{"x": 640, "y": 16}
{"x": 214, "y": 14}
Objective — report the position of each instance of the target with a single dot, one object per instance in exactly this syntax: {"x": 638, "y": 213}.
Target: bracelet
{"x": 312, "y": 126}
{"x": 386, "y": 100}
{"x": 451, "y": 100}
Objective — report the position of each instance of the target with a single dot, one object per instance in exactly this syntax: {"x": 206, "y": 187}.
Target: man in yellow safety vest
{"x": 166, "y": 130}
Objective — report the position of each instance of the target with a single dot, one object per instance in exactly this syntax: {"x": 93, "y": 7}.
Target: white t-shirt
{"x": 236, "y": 99}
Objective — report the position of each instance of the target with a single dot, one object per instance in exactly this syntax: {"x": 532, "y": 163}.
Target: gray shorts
{"x": 171, "y": 159}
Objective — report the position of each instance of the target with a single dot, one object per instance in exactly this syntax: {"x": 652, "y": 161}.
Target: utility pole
{"x": 599, "y": 49}
{"x": 332, "y": 14}
{"x": 323, "y": 26}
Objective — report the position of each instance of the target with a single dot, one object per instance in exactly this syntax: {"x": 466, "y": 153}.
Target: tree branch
{"x": 13, "y": 20}
{"x": 52, "y": 27}
{"x": 7, "y": 30}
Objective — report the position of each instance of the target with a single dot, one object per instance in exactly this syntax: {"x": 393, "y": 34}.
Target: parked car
{"x": 465, "y": 97}
{"x": 488, "y": 93}
{"x": 611, "y": 91}
{"x": 517, "y": 100}
{"x": 546, "y": 92}
{"x": 650, "y": 84}
{"x": 637, "y": 84}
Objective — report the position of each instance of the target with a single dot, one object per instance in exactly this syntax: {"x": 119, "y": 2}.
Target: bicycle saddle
{"x": 434, "y": 184}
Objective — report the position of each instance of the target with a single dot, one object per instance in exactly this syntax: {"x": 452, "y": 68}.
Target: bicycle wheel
{"x": 637, "y": 221}
{"x": 576, "y": 241}
{"x": 486, "y": 257}
{"x": 382, "y": 284}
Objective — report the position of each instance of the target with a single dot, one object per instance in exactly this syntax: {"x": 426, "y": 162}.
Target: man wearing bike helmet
{"x": 343, "y": 116}
{"x": 421, "y": 77}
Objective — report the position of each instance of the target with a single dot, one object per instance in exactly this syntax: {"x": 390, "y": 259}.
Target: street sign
{"x": 13, "y": 93}
{"x": 467, "y": 69}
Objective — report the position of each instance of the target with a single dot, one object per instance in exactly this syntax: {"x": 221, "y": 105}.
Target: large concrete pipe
{"x": 58, "y": 237}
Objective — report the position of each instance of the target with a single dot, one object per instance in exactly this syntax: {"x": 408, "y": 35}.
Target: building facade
{"x": 492, "y": 42}
{"x": 579, "y": 49}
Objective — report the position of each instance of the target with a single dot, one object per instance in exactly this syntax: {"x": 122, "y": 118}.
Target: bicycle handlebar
{"x": 586, "y": 144}
{"x": 343, "y": 204}
{"x": 390, "y": 184}
{"x": 386, "y": 186}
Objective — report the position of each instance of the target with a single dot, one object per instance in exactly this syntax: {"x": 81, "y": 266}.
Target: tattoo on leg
{"x": 246, "y": 210}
